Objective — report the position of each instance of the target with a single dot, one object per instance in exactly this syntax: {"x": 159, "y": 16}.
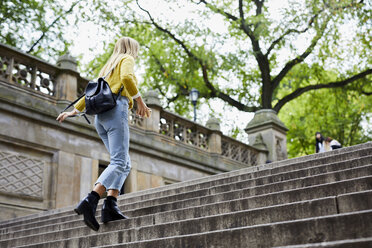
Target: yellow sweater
{"x": 123, "y": 74}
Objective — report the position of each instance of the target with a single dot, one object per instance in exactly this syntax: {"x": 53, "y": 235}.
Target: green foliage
{"x": 35, "y": 26}
{"x": 336, "y": 113}
{"x": 173, "y": 67}
{"x": 214, "y": 38}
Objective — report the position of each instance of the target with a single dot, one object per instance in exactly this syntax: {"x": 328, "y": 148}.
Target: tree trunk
{"x": 266, "y": 95}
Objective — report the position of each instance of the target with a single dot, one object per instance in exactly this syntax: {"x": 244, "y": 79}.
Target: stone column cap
{"x": 67, "y": 62}
{"x": 151, "y": 97}
{"x": 265, "y": 117}
{"x": 213, "y": 123}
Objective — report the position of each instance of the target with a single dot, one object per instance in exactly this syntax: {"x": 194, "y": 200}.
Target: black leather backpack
{"x": 98, "y": 97}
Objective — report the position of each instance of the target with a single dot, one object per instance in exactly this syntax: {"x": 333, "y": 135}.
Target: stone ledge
{"x": 157, "y": 144}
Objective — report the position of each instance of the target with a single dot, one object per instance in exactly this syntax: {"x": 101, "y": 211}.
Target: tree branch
{"x": 209, "y": 85}
{"x": 289, "y": 31}
{"x": 366, "y": 93}
{"x": 237, "y": 104}
{"x": 241, "y": 12}
{"x": 183, "y": 90}
{"x": 302, "y": 57}
{"x": 216, "y": 93}
{"x": 302, "y": 90}
{"x": 310, "y": 48}
{"x": 183, "y": 45}
{"x": 243, "y": 25}
{"x": 51, "y": 25}
{"x": 217, "y": 10}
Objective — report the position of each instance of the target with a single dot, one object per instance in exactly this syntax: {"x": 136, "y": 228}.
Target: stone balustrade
{"x": 239, "y": 151}
{"x": 28, "y": 72}
{"x": 47, "y": 165}
{"x": 63, "y": 82}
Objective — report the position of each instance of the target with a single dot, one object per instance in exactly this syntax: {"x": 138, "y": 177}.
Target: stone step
{"x": 202, "y": 233}
{"x": 336, "y": 188}
{"x": 355, "y": 201}
{"x": 326, "y": 228}
{"x": 254, "y": 172}
{"x": 247, "y": 201}
{"x": 332, "y": 185}
{"x": 240, "y": 185}
{"x": 348, "y": 243}
{"x": 325, "y": 206}
{"x": 350, "y": 202}
{"x": 143, "y": 210}
{"x": 230, "y": 192}
{"x": 224, "y": 187}
{"x": 336, "y": 155}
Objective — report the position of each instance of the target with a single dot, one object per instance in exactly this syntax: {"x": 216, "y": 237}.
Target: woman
{"x": 112, "y": 127}
{"x": 319, "y": 142}
{"x": 334, "y": 144}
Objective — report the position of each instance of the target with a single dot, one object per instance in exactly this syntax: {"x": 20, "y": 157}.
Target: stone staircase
{"x": 320, "y": 200}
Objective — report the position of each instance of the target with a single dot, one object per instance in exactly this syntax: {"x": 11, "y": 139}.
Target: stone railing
{"x": 239, "y": 151}
{"x": 49, "y": 81}
{"x": 63, "y": 82}
{"x": 208, "y": 138}
{"x": 27, "y": 71}
{"x": 183, "y": 130}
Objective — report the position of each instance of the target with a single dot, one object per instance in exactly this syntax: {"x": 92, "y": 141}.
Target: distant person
{"x": 113, "y": 128}
{"x": 334, "y": 144}
{"x": 319, "y": 143}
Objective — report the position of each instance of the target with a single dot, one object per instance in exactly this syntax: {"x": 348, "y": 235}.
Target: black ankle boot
{"x": 88, "y": 207}
{"x": 110, "y": 211}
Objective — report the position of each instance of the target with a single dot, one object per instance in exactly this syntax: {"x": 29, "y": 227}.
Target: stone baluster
{"x": 152, "y": 100}
{"x": 67, "y": 78}
{"x": 214, "y": 140}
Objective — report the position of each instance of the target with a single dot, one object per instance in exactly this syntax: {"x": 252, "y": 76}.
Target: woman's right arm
{"x": 127, "y": 77}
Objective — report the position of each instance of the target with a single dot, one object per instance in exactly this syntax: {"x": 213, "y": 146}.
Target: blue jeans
{"x": 113, "y": 128}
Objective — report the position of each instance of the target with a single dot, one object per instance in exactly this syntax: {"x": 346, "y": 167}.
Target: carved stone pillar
{"x": 67, "y": 78}
{"x": 214, "y": 140}
{"x": 152, "y": 100}
{"x": 272, "y": 132}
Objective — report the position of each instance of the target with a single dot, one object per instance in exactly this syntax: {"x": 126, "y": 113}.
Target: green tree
{"x": 34, "y": 26}
{"x": 244, "y": 65}
{"x": 339, "y": 113}
{"x": 180, "y": 56}
{"x": 333, "y": 112}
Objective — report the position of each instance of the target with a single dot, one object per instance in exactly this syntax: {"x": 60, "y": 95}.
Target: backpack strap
{"x": 109, "y": 72}
{"x": 83, "y": 113}
{"x": 73, "y": 102}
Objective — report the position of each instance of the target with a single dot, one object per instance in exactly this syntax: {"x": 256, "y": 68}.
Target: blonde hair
{"x": 123, "y": 46}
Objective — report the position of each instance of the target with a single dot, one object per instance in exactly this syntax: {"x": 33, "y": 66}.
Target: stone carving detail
{"x": 20, "y": 174}
{"x": 16, "y": 72}
{"x": 135, "y": 120}
{"x": 183, "y": 131}
{"x": 238, "y": 151}
{"x": 280, "y": 155}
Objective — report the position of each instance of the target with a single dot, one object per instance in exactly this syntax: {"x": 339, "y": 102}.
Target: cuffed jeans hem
{"x": 106, "y": 187}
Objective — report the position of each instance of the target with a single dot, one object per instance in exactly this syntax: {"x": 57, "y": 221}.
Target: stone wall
{"x": 46, "y": 165}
